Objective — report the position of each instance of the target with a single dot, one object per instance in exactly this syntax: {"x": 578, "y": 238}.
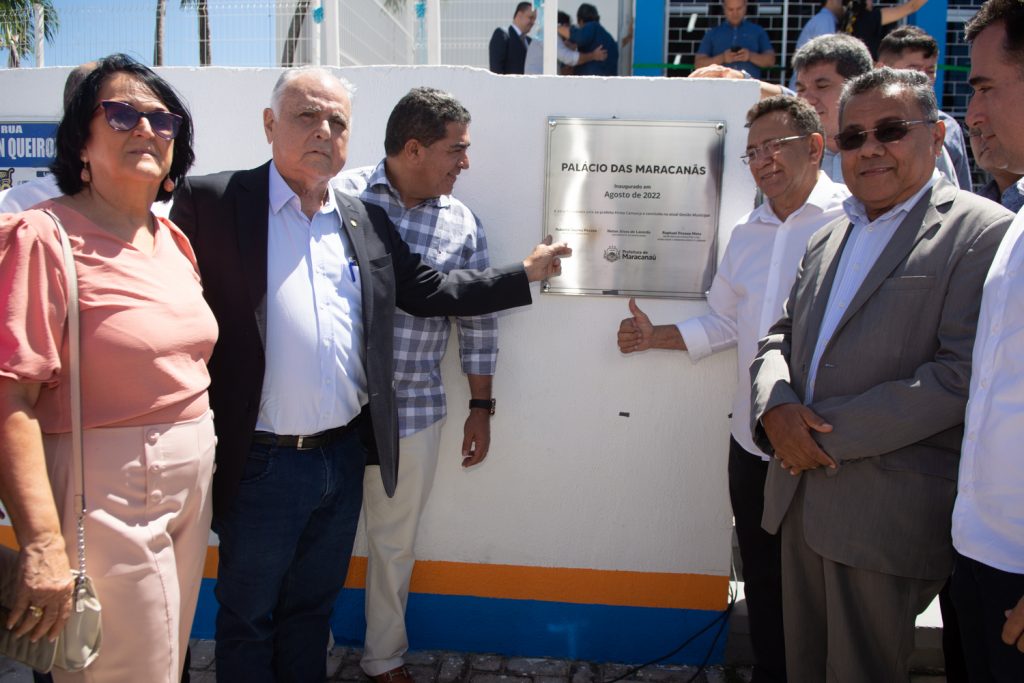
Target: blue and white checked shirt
{"x": 449, "y": 237}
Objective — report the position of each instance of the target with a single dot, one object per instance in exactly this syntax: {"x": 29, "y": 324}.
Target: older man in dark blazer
{"x": 507, "y": 49}
{"x": 304, "y": 281}
{"x": 860, "y": 390}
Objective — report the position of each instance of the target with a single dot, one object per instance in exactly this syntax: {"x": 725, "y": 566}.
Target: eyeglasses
{"x": 893, "y": 131}
{"x": 769, "y": 148}
{"x": 124, "y": 117}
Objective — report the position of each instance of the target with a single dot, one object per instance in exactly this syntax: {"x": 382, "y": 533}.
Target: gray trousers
{"x": 844, "y": 624}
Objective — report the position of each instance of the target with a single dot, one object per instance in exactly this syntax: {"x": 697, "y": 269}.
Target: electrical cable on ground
{"x": 722, "y": 619}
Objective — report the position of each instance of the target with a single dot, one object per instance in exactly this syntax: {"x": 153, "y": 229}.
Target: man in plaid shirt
{"x": 426, "y": 144}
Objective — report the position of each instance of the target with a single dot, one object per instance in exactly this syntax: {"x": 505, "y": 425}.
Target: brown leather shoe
{"x": 397, "y": 675}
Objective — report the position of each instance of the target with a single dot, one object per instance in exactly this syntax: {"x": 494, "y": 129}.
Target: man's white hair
{"x": 291, "y": 74}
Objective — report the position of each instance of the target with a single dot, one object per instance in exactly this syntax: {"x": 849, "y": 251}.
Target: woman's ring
{"x": 36, "y": 612}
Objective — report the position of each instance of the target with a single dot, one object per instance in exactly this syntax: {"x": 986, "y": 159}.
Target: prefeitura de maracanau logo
{"x": 613, "y": 254}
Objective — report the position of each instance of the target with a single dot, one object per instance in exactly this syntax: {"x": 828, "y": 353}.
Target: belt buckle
{"x": 298, "y": 442}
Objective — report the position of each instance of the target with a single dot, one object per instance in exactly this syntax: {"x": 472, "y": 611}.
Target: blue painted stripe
{"x": 526, "y": 628}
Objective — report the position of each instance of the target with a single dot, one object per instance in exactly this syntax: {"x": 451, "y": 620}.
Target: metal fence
{"x": 466, "y": 28}
{"x": 254, "y": 33}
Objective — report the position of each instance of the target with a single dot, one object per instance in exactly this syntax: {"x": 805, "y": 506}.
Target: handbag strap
{"x": 74, "y": 371}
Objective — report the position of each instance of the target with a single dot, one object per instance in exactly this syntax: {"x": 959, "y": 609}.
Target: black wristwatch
{"x": 485, "y": 403}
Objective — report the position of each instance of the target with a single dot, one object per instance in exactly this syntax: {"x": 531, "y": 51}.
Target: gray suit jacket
{"x": 892, "y": 382}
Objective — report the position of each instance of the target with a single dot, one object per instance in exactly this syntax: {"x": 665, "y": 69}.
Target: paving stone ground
{"x": 459, "y": 667}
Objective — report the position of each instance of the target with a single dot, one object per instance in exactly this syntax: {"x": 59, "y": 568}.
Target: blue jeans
{"x": 285, "y": 545}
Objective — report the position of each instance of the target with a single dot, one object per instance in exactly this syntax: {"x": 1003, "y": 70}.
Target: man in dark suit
{"x": 859, "y": 391}
{"x": 304, "y": 282}
{"x": 507, "y": 50}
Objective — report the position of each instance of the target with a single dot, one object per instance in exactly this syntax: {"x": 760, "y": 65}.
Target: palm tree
{"x": 203, "y": 10}
{"x": 158, "y": 38}
{"x": 17, "y": 27}
{"x": 291, "y": 43}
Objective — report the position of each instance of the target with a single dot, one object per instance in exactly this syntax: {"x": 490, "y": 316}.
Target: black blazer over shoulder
{"x": 225, "y": 217}
{"x": 507, "y": 51}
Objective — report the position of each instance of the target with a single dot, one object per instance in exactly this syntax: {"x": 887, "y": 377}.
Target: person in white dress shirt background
{"x": 784, "y": 149}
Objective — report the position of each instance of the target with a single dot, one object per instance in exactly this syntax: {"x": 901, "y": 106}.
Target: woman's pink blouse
{"x": 147, "y": 332}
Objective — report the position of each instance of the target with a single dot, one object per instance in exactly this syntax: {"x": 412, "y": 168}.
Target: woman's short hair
{"x": 73, "y": 131}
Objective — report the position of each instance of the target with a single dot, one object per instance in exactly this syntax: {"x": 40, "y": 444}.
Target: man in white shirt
{"x": 426, "y": 144}
{"x": 988, "y": 518}
{"x": 859, "y": 390}
{"x": 784, "y": 149}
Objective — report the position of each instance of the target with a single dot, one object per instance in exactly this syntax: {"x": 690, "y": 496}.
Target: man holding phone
{"x": 736, "y": 43}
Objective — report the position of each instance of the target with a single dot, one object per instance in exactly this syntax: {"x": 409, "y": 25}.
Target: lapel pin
{"x": 353, "y": 222}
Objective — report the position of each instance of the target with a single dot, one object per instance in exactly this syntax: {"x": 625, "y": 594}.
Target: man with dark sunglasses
{"x": 988, "y": 576}
{"x": 784, "y": 147}
{"x": 859, "y": 390}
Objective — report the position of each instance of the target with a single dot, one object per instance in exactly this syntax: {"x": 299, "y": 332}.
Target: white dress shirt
{"x": 26, "y": 195}
{"x": 988, "y": 518}
{"x": 314, "y": 378}
{"x": 751, "y": 285}
{"x": 865, "y": 244}
{"x": 23, "y": 197}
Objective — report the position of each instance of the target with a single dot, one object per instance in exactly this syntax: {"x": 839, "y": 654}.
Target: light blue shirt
{"x": 821, "y": 24}
{"x": 865, "y": 244}
{"x": 832, "y": 165}
{"x": 315, "y": 377}
{"x": 1012, "y": 198}
{"x": 725, "y": 36}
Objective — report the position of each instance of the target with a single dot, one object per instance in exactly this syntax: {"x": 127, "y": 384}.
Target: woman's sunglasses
{"x": 124, "y": 117}
{"x": 894, "y": 131}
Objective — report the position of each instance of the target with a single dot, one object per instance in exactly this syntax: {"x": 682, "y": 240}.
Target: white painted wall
{"x": 569, "y": 483}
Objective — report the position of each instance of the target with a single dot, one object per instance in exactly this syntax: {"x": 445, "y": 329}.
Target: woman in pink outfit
{"x": 147, "y": 333}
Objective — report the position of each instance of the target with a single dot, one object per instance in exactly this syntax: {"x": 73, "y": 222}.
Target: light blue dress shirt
{"x": 821, "y": 24}
{"x": 832, "y": 165}
{"x": 315, "y": 377}
{"x": 865, "y": 244}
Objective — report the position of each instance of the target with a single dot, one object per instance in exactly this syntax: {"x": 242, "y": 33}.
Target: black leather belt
{"x": 303, "y": 442}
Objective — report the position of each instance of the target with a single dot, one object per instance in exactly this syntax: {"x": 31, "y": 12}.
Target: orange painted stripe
{"x": 566, "y": 584}
{"x": 547, "y": 584}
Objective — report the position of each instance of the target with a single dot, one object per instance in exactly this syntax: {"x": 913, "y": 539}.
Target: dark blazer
{"x": 892, "y": 382}
{"x": 225, "y": 217}
{"x": 588, "y": 38}
{"x": 507, "y": 51}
